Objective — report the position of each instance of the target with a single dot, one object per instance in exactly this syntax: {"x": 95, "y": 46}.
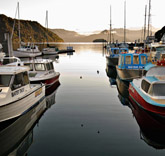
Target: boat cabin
{"x": 153, "y": 86}
{"x": 132, "y": 61}
{"x": 40, "y": 65}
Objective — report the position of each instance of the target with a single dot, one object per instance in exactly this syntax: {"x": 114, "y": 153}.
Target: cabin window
{"x": 136, "y": 59}
{"x": 39, "y": 67}
{"x": 145, "y": 85}
{"x": 18, "y": 81}
{"x": 5, "y": 80}
{"x": 49, "y": 66}
{"x": 128, "y": 60}
{"x": 143, "y": 59}
{"x": 25, "y": 78}
{"x": 157, "y": 90}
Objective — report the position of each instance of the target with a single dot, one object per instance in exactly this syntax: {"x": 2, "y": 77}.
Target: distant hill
{"x": 117, "y": 34}
{"x": 31, "y": 31}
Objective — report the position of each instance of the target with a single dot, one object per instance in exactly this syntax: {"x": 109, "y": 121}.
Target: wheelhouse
{"x": 40, "y": 66}
{"x": 132, "y": 61}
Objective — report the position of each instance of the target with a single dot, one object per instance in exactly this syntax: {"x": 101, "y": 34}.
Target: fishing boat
{"x": 29, "y": 50}
{"x": 148, "y": 91}
{"x": 131, "y": 66}
{"x": 113, "y": 55}
{"x": 42, "y": 70}
{"x": 17, "y": 95}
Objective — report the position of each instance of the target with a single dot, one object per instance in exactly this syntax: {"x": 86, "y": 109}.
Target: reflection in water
{"x": 17, "y": 137}
{"x": 152, "y": 128}
{"x": 111, "y": 73}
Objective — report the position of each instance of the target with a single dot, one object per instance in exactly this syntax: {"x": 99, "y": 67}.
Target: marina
{"x": 76, "y": 86}
{"x": 85, "y": 113}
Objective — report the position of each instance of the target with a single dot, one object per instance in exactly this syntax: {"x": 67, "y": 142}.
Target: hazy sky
{"x": 86, "y": 15}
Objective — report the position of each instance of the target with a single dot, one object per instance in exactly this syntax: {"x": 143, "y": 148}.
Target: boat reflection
{"x": 111, "y": 73}
{"x": 17, "y": 136}
{"x": 122, "y": 87}
{"x": 152, "y": 128}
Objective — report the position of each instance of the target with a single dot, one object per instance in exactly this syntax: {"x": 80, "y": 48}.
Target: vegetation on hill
{"x": 31, "y": 31}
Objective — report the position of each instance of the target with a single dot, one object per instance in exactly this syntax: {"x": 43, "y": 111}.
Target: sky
{"x": 85, "y": 16}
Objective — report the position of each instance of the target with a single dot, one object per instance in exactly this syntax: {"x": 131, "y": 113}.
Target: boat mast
{"x": 145, "y": 22}
{"x": 46, "y": 24}
{"x": 110, "y": 29}
{"x": 149, "y": 16}
{"x": 124, "y": 21}
{"x": 19, "y": 31}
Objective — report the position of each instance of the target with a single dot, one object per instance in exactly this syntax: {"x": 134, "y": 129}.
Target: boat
{"x": 29, "y": 50}
{"x": 151, "y": 127}
{"x": 69, "y": 49}
{"x": 17, "y": 95}
{"x": 49, "y": 50}
{"x": 148, "y": 91}
{"x": 131, "y": 66}
{"x": 42, "y": 70}
{"x": 113, "y": 55}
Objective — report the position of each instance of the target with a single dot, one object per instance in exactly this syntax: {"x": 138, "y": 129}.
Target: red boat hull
{"x": 134, "y": 96}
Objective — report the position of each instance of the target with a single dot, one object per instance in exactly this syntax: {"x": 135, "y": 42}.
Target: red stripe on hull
{"x": 134, "y": 96}
{"x": 50, "y": 81}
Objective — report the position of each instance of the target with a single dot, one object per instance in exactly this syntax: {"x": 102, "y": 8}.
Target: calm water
{"x": 84, "y": 115}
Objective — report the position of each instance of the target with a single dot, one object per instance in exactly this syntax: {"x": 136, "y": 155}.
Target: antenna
{"x": 124, "y": 21}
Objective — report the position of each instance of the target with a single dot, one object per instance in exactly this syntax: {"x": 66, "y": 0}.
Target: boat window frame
{"x": 138, "y": 59}
{"x": 42, "y": 64}
{"x": 125, "y": 59}
{"x": 145, "y": 85}
{"x": 141, "y": 59}
{"x": 11, "y": 77}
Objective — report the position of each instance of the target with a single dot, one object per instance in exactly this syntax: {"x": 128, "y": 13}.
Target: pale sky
{"x": 86, "y": 15}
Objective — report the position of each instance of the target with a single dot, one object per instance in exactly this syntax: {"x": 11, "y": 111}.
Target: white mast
{"x": 110, "y": 29}
{"x": 145, "y": 22}
{"x": 149, "y": 16}
{"x": 19, "y": 31}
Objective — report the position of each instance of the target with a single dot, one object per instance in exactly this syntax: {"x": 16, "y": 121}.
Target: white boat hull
{"x": 22, "y": 105}
{"x": 26, "y": 53}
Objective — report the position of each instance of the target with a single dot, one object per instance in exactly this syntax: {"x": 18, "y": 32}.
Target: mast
{"x": 149, "y": 16}
{"x": 46, "y": 25}
{"x": 124, "y": 21}
{"x": 145, "y": 22}
{"x": 19, "y": 31}
{"x": 110, "y": 29}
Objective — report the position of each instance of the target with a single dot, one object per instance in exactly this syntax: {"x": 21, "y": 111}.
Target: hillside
{"x": 31, "y": 31}
{"x": 118, "y": 34}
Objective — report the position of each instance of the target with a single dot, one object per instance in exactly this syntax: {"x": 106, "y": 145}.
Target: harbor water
{"x": 86, "y": 114}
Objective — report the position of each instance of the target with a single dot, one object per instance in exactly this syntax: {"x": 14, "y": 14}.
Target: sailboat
{"x": 29, "y": 50}
{"x": 50, "y": 50}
